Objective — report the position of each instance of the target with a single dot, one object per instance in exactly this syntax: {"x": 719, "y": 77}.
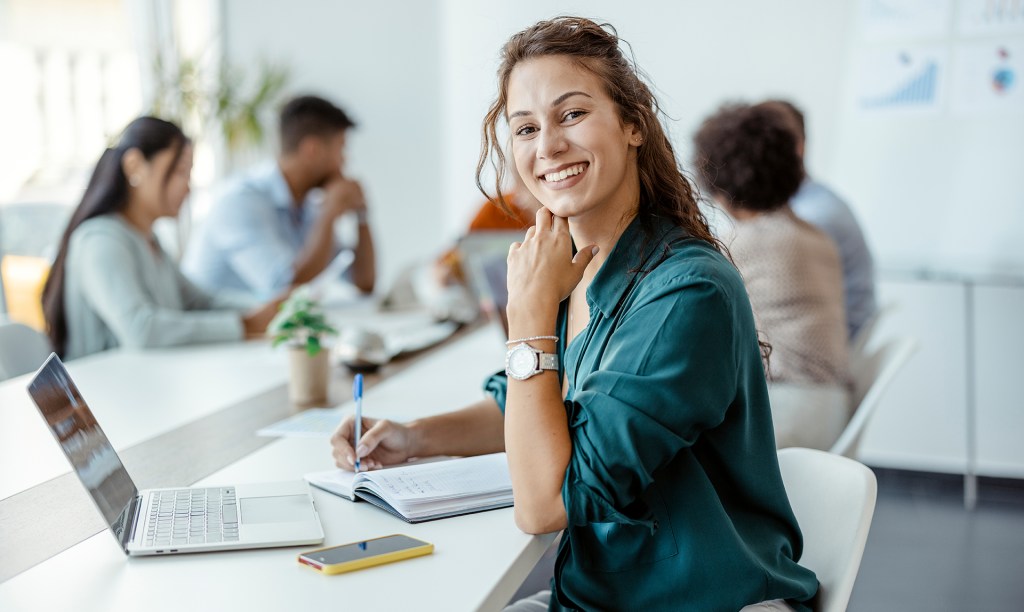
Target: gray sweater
{"x": 122, "y": 289}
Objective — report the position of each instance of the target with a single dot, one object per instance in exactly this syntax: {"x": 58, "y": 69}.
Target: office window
{"x": 71, "y": 81}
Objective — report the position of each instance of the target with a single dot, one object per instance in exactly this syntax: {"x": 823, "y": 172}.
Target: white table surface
{"x": 135, "y": 395}
{"x": 138, "y": 395}
{"x": 479, "y": 559}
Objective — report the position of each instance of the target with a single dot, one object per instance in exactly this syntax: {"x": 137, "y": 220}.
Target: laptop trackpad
{"x": 283, "y": 509}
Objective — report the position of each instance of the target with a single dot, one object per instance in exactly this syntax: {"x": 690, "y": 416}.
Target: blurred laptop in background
{"x": 484, "y": 257}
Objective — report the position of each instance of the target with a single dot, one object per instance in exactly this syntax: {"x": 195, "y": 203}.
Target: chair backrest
{"x": 22, "y": 349}
{"x": 867, "y": 332}
{"x": 834, "y": 499}
{"x": 33, "y": 228}
{"x": 24, "y": 277}
{"x": 30, "y": 233}
{"x": 872, "y": 374}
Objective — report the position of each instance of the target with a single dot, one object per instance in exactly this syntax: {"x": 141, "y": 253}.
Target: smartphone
{"x": 357, "y": 555}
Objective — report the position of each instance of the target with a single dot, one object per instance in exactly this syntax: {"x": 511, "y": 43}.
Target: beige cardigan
{"x": 795, "y": 281}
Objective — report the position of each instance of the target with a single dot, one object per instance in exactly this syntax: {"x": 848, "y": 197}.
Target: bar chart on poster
{"x": 932, "y": 133}
{"x": 908, "y": 80}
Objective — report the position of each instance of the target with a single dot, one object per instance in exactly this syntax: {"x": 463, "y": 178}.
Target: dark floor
{"x": 926, "y": 552}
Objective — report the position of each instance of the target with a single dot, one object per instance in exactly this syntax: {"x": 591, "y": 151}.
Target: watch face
{"x": 521, "y": 362}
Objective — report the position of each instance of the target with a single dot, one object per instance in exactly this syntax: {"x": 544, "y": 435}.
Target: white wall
{"x": 380, "y": 63}
{"x": 419, "y": 76}
{"x": 938, "y": 188}
{"x": 698, "y": 54}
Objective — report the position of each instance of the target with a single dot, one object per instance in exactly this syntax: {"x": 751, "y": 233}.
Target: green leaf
{"x": 312, "y": 345}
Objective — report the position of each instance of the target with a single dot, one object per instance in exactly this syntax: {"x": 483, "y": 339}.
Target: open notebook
{"x": 426, "y": 491}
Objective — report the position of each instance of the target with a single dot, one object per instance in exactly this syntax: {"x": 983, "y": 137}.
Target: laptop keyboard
{"x": 192, "y": 516}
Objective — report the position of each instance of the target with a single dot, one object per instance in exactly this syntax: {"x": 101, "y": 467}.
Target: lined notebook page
{"x": 339, "y": 482}
{"x": 457, "y": 478}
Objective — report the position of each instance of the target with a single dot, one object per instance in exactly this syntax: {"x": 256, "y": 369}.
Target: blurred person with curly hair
{"x": 750, "y": 164}
{"x": 817, "y": 204}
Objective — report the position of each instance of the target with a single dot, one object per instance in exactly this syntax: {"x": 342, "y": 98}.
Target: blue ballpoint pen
{"x": 357, "y": 392}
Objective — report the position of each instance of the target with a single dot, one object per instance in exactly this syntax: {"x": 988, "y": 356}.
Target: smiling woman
{"x": 563, "y": 125}
{"x": 633, "y": 408}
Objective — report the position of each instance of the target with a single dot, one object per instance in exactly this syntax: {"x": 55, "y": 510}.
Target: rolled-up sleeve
{"x": 667, "y": 374}
{"x": 496, "y": 386}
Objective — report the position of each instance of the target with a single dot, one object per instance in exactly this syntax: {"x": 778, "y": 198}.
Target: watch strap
{"x": 548, "y": 361}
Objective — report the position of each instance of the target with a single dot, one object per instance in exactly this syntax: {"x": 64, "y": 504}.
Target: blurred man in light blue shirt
{"x": 821, "y": 207}
{"x": 273, "y": 228}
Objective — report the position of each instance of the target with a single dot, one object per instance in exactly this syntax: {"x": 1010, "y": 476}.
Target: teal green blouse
{"x": 673, "y": 492}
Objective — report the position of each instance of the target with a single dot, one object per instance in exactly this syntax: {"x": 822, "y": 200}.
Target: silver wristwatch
{"x": 523, "y": 361}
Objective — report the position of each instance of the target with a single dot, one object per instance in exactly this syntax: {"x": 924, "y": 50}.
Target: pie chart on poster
{"x": 1002, "y": 80}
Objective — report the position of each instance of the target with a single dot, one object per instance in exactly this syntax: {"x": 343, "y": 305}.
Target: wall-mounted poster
{"x": 987, "y": 77}
{"x": 902, "y": 20}
{"x": 907, "y": 79}
{"x": 990, "y": 17}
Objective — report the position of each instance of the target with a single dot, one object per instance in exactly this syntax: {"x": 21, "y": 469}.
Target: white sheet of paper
{"x": 311, "y": 423}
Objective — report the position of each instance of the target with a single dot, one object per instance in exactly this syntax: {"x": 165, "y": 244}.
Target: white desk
{"x": 479, "y": 561}
{"x": 135, "y": 395}
{"x": 956, "y": 408}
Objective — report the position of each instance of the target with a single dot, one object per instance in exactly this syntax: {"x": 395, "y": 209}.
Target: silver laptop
{"x": 168, "y": 521}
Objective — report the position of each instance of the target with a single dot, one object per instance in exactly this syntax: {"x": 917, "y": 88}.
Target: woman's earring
{"x": 134, "y": 180}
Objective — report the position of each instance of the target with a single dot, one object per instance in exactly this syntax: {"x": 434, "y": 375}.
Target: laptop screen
{"x": 83, "y": 441}
{"x": 484, "y": 256}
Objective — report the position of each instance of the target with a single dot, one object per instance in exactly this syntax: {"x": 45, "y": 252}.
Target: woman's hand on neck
{"x": 602, "y": 232}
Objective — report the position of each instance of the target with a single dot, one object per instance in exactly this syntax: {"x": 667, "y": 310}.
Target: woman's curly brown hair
{"x": 665, "y": 192}
{"x": 747, "y": 155}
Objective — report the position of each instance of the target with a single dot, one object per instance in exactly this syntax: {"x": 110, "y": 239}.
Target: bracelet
{"x": 511, "y": 342}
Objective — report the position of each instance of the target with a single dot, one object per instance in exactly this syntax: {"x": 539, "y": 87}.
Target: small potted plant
{"x": 301, "y": 325}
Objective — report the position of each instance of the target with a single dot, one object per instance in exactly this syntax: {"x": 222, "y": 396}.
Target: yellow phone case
{"x": 357, "y": 564}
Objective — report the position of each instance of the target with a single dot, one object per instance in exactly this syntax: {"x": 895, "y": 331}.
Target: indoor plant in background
{"x": 302, "y": 326}
{"x": 224, "y": 108}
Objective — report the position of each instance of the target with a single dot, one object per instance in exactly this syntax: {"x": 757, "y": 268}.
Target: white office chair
{"x": 872, "y": 374}
{"x": 867, "y": 332}
{"x": 834, "y": 499}
{"x": 22, "y": 349}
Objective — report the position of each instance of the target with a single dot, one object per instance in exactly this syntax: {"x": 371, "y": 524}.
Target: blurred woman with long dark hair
{"x": 112, "y": 284}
